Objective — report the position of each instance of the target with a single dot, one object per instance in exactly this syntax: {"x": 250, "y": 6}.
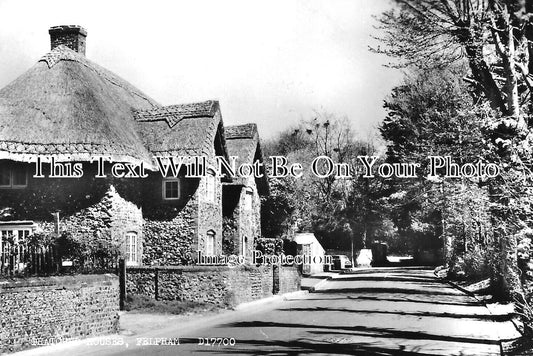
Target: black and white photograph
{"x": 251, "y": 177}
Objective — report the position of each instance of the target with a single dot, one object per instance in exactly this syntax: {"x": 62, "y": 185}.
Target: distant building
{"x": 309, "y": 245}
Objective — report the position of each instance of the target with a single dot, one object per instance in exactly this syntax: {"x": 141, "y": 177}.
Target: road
{"x": 372, "y": 312}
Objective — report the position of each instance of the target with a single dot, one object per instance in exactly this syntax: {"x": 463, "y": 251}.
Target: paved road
{"x": 373, "y": 312}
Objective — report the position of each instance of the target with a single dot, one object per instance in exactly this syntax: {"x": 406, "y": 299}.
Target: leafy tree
{"x": 343, "y": 212}
{"x": 278, "y": 208}
{"x": 495, "y": 39}
{"x": 432, "y": 113}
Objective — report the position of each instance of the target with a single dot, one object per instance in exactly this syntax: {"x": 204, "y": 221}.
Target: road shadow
{"x": 408, "y": 300}
{"x": 359, "y": 330}
{"x": 483, "y": 317}
{"x": 386, "y": 290}
{"x": 308, "y": 347}
{"x": 375, "y": 278}
{"x": 399, "y": 300}
{"x": 315, "y": 326}
{"x": 403, "y": 270}
{"x": 336, "y": 340}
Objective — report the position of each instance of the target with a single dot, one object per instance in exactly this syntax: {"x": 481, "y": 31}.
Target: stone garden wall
{"x": 37, "y": 311}
{"x": 289, "y": 279}
{"x": 222, "y": 286}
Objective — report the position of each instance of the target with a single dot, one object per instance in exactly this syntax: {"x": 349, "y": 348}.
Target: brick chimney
{"x": 71, "y": 36}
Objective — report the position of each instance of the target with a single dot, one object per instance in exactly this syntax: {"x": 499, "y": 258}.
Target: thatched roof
{"x": 243, "y": 142}
{"x": 183, "y": 130}
{"x": 67, "y": 106}
{"x": 242, "y": 131}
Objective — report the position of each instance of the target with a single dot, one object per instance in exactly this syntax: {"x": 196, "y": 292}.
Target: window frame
{"x": 211, "y": 186}
{"x": 11, "y": 168}
{"x": 164, "y": 188}
{"x": 248, "y": 203}
{"x": 132, "y": 254}
{"x": 244, "y": 243}
{"x": 210, "y": 243}
{"x": 16, "y": 228}
{"x": 16, "y": 231}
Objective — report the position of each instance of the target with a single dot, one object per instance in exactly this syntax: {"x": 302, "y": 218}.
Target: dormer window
{"x": 171, "y": 189}
{"x": 13, "y": 176}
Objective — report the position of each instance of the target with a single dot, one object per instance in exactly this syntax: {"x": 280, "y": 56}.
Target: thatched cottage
{"x": 184, "y": 215}
{"x": 242, "y": 196}
{"x": 68, "y": 107}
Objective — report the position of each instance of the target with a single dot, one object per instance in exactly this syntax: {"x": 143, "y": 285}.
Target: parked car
{"x": 341, "y": 262}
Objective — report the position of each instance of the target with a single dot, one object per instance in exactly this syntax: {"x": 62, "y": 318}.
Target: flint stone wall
{"x": 243, "y": 222}
{"x": 249, "y": 221}
{"x": 289, "y": 279}
{"x": 108, "y": 220}
{"x": 33, "y": 310}
{"x": 91, "y": 209}
{"x": 175, "y": 230}
{"x": 222, "y": 286}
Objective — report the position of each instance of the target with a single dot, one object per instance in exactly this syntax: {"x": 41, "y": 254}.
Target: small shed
{"x": 309, "y": 246}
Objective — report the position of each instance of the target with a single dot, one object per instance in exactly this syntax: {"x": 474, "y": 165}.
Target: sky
{"x": 269, "y": 62}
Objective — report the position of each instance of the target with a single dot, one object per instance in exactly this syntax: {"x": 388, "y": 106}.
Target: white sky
{"x": 269, "y": 62}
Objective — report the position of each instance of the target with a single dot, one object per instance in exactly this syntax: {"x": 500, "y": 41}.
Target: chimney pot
{"x": 72, "y": 36}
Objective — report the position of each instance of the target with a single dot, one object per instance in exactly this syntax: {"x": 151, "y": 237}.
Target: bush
{"x": 88, "y": 256}
{"x": 229, "y": 232}
{"x": 269, "y": 246}
{"x": 290, "y": 248}
{"x": 472, "y": 265}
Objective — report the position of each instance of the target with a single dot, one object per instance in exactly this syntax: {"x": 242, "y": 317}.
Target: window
{"x": 243, "y": 243}
{"x": 171, "y": 189}
{"x": 13, "y": 234}
{"x": 131, "y": 248}
{"x": 248, "y": 199}
{"x": 210, "y": 243}
{"x": 210, "y": 189}
{"x": 13, "y": 176}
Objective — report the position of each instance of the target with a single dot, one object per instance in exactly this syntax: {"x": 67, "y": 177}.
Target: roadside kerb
{"x": 507, "y": 346}
{"x": 272, "y": 299}
{"x": 324, "y": 281}
{"x": 329, "y": 278}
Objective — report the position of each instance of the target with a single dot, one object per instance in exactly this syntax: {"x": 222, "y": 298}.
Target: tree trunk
{"x": 511, "y": 275}
{"x": 506, "y": 281}
{"x": 482, "y": 74}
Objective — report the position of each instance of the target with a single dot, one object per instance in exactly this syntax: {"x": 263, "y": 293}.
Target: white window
{"x": 131, "y": 248}
{"x": 171, "y": 189}
{"x": 243, "y": 244}
{"x": 211, "y": 188}
{"x": 13, "y": 234}
{"x": 248, "y": 199}
{"x": 210, "y": 243}
{"x": 13, "y": 176}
